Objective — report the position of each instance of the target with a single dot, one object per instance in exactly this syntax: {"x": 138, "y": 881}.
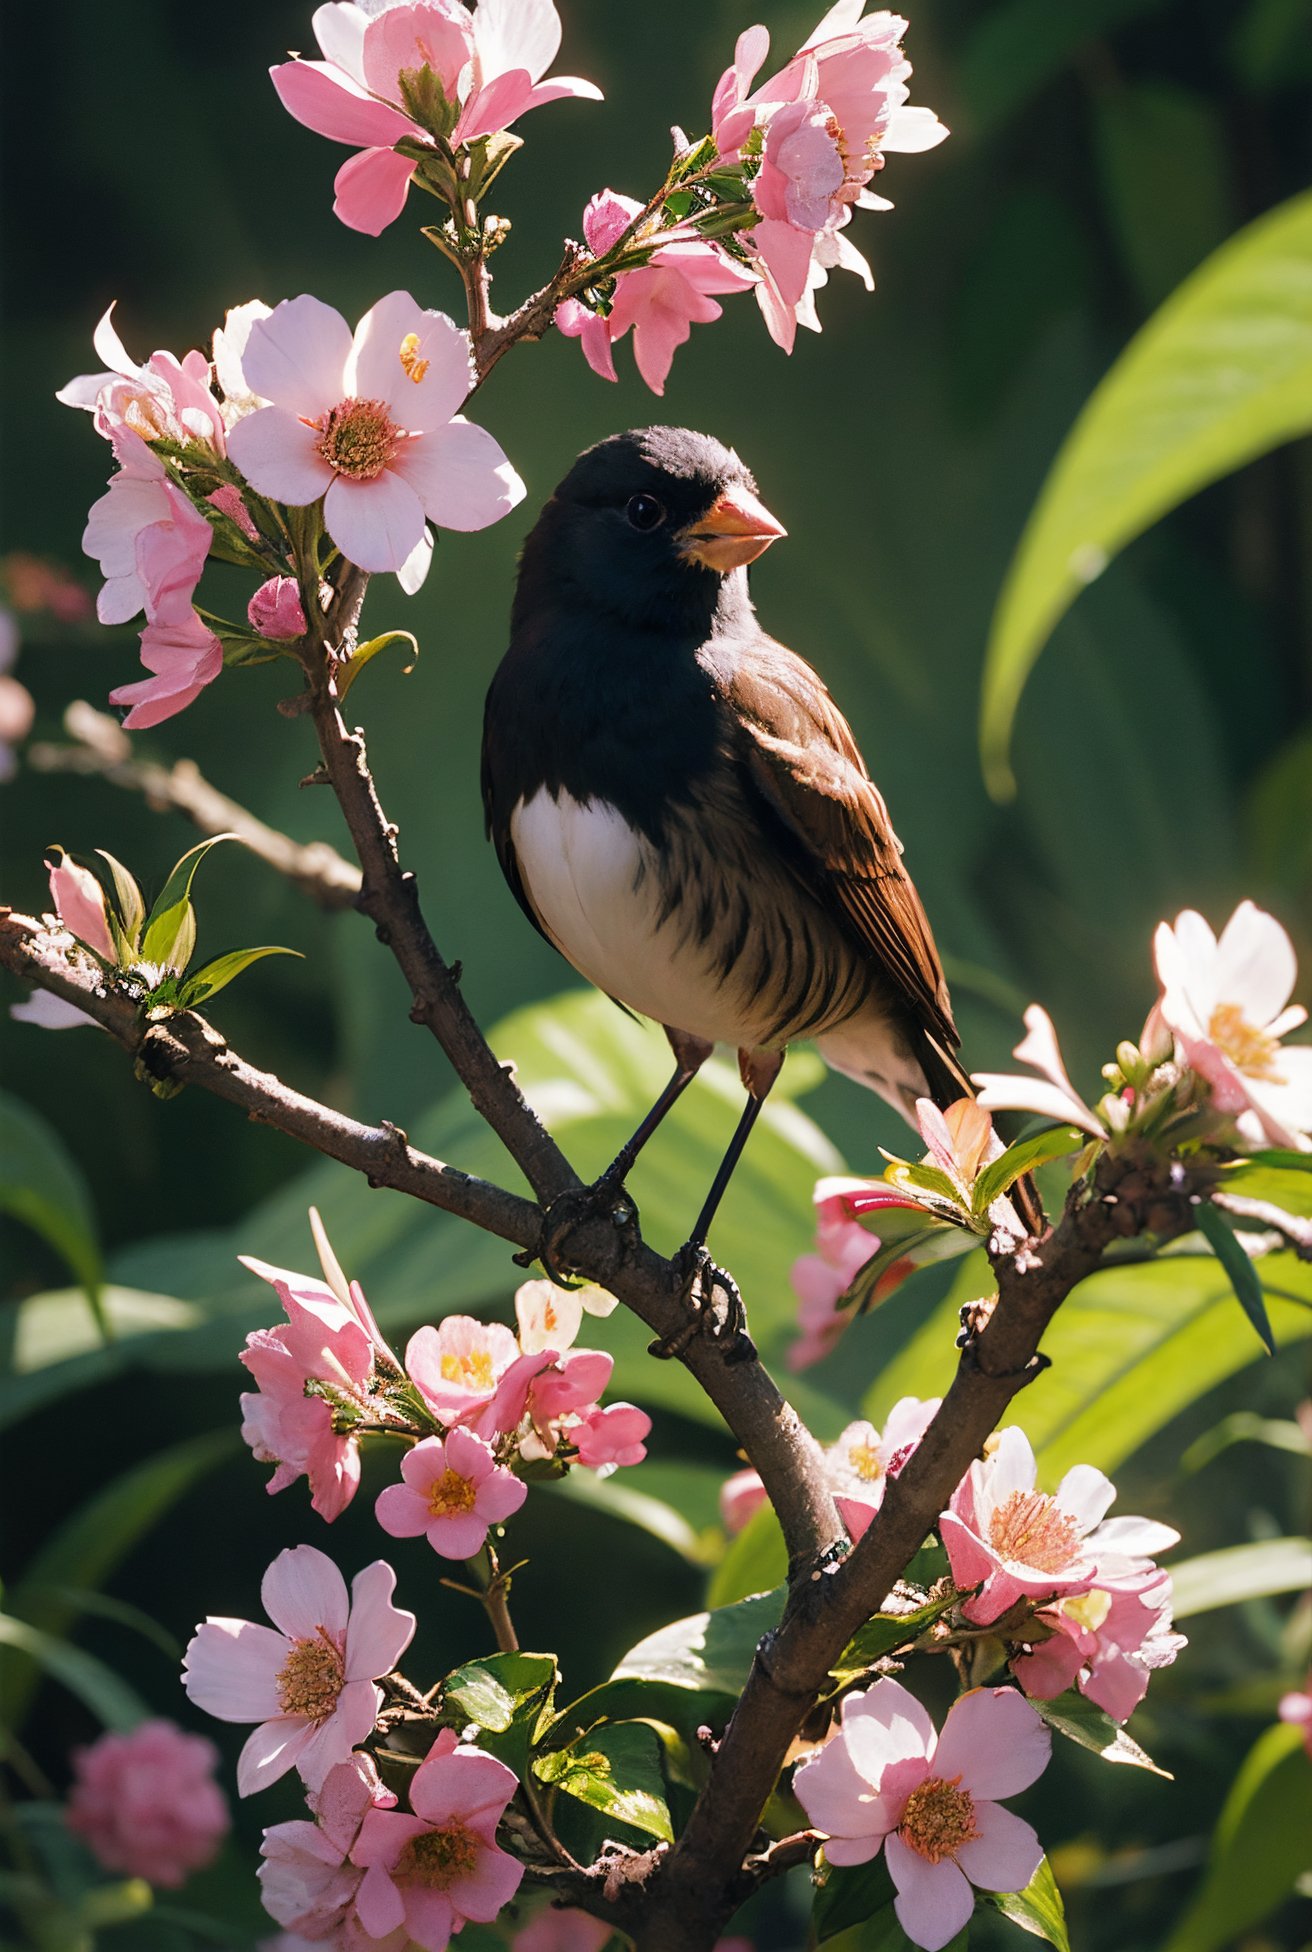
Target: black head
{"x": 653, "y": 527}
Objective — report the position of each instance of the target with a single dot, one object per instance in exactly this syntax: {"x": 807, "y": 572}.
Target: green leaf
{"x": 41, "y": 1186}
{"x": 170, "y": 937}
{"x": 1026, "y": 1156}
{"x": 178, "y": 886}
{"x": 1245, "y": 1427}
{"x": 1259, "y": 1849}
{"x": 1131, "y": 1348}
{"x": 708, "y": 1652}
{"x": 52, "y": 1347}
{"x": 848, "y": 1896}
{"x": 1076, "y": 1718}
{"x": 614, "y": 1768}
{"x": 940, "y": 1240}
{"x": 1241, "y": 1572}
{"x": 756, "y": 1561}
{"x": 366, "y": 653}
{"x": 97, "y": 1686}
{"x": 130, "y": 901}
{"x": 216, "y": 975}
{"x": 886, "y": 1631}
{"x": 496, "y": 1691}
{"x": 1037, "y": 1909}
{"x": 1221, "y": 374}
{"x": 1243, "y": 1275}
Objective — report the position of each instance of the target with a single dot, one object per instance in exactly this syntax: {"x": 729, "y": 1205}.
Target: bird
{"x": 680, "y": 808}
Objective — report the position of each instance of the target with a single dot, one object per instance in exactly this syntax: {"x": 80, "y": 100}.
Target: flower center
{"x": 311, "y": 1678}
{"x": 863, "y": 1461}
{"x": 1249, "y": 1049}
{"x": 438, "y": 1857}
{"x": 1031, "y": 1529}
{"x": 473, "y": 1371}
{"x": 938, "y": 1819}
{"x": 144, "y": 415}
{"x": 358, "y": 438}
{"x": 450, "y": 1494}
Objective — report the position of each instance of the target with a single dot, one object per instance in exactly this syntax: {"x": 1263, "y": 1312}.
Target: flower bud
{"x": 275, "y": 610}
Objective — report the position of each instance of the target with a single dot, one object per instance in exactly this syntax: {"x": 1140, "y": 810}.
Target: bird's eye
{"x": 645, "y": 512}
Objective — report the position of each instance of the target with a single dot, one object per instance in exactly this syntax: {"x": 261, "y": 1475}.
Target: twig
{"x": 101, "y": 748}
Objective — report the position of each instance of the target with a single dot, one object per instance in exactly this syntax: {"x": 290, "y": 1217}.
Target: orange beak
{"x": 734, "y": 531}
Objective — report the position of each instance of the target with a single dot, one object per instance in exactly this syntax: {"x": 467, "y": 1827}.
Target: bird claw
{"x": 702, "y": 1281}
{"x": 605, "y": 1198}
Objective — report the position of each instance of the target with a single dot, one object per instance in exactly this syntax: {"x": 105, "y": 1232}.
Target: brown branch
{"x": 101, "y": 748}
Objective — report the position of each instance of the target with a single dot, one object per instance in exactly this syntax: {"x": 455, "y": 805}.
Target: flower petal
{"x": 1255, "y": 964}
{"x": 517, "y": 34}
{"x": 417, "y": 361}
{"x": 297, "y": 356}
{"x": 371, "y": 188}
{"x": 279, "y": 455}
{"x": 303, "y": 1591}
{"x": 379, "y": 1632}
{"x": 461, "y": 476}
{"x": 376, "y": 524}
{"x": 995, "y": 1742}
{"x": 934, "y": 1901}
{"x": 270, "y": 1751}
{"x": 1005, "y": 1855}
{"x": 323, "y": 97}
{"x": 230, "y": 1670}
{"x": 1086, "y": 1494}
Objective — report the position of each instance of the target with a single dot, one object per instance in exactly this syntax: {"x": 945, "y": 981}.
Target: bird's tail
{"x": 948, "y": 1081}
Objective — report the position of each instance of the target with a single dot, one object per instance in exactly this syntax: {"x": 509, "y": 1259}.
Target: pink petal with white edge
{"x": 417, "y": 361}
{"x": 1134, "y": 1538}
{"x": 297, "y": 357}
{"x": 270, "y": 1751}
{"x": 1012, "y": 1467}
{"x": 1086, "y": 1495}
{"x": 339, "y": 29}
{"x": 995, "y": 1742}
{"x": 230, "y": 1670}
{"x": 325, "y": 99}
{"x": 279, "y": 455}
{"x": 517, "y": 34}
{"x": 461, "y": 475}
{"x": 379, "y": 1632}
{"x": 303, "y": 1591}
{"x": 912, "y": 131}
{"x": 1005, "y": 1855}
{"x": 371, "y": 189}
{"x": 934, "y": 1901}
{"x": 1001, "y": 1091}
{"x": 376, "y": 524}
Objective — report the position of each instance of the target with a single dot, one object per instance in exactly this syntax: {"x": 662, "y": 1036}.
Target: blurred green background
{"x": 1100, "y": 150}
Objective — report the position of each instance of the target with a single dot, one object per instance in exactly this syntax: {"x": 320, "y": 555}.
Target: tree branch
{"x": 102, "y": 749}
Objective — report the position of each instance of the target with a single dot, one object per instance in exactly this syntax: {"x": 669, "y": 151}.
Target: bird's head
{"x": 653, "y": 527}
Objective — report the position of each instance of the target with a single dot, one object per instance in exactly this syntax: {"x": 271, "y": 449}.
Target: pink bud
{"x": 275, "y": 610}
{"x": 80, "y": 903}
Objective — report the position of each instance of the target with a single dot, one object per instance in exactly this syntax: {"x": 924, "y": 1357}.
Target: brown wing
{"x": 801, "y": 756}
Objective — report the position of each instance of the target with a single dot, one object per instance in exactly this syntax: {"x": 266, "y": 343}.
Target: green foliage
{"x": 1241, "y": 1572}
{"x": 614, "y": 1768}
{"x": 708, "y": 1653}
{"x": 847, "y": 1897}
{"x": 41, "y": 1186}
{"x": 1026, "y": 1156}
{"x": 111, "y": 1700}
{"x": 1037, "y": 1909}
{"x": 1259, "y": 1848}
{"x": 1219, "y": 375}
{"x": 756, "y": 1561}
{"x": 1243, "y": 1276}
{"x": 508, "y": 1697}
{"x": 1080, "y": 1721}
{"x": 887, "y": 1631}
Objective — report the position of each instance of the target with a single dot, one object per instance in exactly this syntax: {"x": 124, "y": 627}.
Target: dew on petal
{"x": 938, "y": 1819}
{"x": 1029, "y": 1528}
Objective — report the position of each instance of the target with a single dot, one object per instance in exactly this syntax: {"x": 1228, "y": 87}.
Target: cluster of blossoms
{"x": 474, "y": 1403}
{"x": 1210, "y": 1076}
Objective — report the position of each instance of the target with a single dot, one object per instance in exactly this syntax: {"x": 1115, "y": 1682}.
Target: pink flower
{"x": 275, "y": 610}
{"x": 1016, "y": 1542}
{"x": 1052, "y": 1094}
{"x": 741, "y": 1497}
{"x": 557, "y": 1930}
{"x": 166, "y": 397}
{"x": 228, "y": 501}
{"x": 310, "y": 1684}
{"x": 147, "y": 1802}
{"x": 611, "y": 1437}
{"x": 370, "y": 423}
{"x": 80, "y": 905}
{"x": 659, "y": 301}
{"x": 1107, "y": 1641}
{"x": 1228, "y": 1003}
{"x": 861, "y": 1461}
{"x": 550, "y": 1317}
{"x": 457, "y": 1366}
{"x": 885, "y": 1779}
{"x": 183, "y": 655}
{"x": 229, "y": 345}
{"x": 306, "y": 1880}
{"x": 843, "y": 1246}
{"x": 439, "y": 1868}
{"x": 148, "y": 539}
{"x": 1296, "y": 1709}
{"x": 371, "y": 91}
{"x": 453, "y": 1491}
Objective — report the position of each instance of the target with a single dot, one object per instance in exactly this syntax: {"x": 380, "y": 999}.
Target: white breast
{"x": 593, "y": 887}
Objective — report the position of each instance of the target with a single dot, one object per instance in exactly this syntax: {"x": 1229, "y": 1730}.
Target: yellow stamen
{"x": 938, "y": 1819}
{"x": 1031, "y": 1529}
{"x": 451, "y": 1494}
{"x": 413, "y": 365}
{"x": 1249, "y": 1049}
{"x": 312, "y": 1677}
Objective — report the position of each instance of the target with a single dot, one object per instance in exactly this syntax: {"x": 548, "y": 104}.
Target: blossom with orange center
{"x": 453, "y": 1489}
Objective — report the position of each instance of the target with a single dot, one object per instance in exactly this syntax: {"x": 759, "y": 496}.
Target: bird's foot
{"x": 604, "y": 1199}
{"x": 715, "y": 1308}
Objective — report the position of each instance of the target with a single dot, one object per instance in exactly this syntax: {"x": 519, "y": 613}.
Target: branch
{"x": 101, "y": 748}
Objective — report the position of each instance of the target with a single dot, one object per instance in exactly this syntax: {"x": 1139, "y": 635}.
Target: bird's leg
{"x": 758, "y": 1070}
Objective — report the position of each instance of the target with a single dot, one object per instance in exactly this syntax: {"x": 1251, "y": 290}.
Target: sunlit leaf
{"x": 1241, "y": 1572}
{"x": 1221, "y": 374}
{"x": 707, "y": 1652}
{"x": 1026, "y": 1156}
{"x": 1243, "y": 1275}
{"x": 170, "y": 938}
{"x": 1246, "y": 1427}
{"x": 616, "y": 1769}
{"x": 1077, "y": 1718}
{"x": 365, "y": 654}
{"x": 1037, "y": 1909}
{"x": 493, "y": 1691}
{"x": 886, "y": 1631}
{"x": 216, "y": 975}
{"x": 130, "y": 901}
{"x": 756, "y": 1561}
{"x": 178, "y": 886}
{"x": 52, "y": 1346}
{"x": 1259, "y": 1848}
{"x": 41, "y": 1186}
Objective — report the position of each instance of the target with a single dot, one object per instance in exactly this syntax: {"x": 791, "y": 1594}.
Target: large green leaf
{"x": 51, "y": 1346}
{"x": 614, "y": 1768}
{"x": 1241, "y": 1572}
{"x": 1219, "y": 375}
{"x": 1081, "y": 1721}
{"x": 41, "y": 1186}
{"x": 1130, "y": 1348}
{"x": 1259, "y": 1849}
{"x": 709, "y": 1653}
{"x": 756, "y": 1561}
{"x": 112, "y": 1700}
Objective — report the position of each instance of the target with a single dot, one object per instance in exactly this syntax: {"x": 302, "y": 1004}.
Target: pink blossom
{"x": 1108, "y": 1641}
{"x": 562, "y": 1930}
{"x": 1296, "y": 1709}
{"x": 150, "y": 542}
{"x": 741, "y": 1497}
{"x": 183, "y": 656}
{"x": 862, "y": 1460}
{"x": 370, "y": 423}
{"x": 229, "y": 345}
{"x": 930, "y": 1801}
{"x": 611, "y": 1437}
{"x": 368, "y": 91}
{"x": 147, "y": 1802}
{"x": 454, "y": 1490}
{"x": 457, "y": 1366}
{"x": 275, "y": 610}
{"x": 228, "y": 501}
{"x": 660, "y": 301}
{"x": 439, "y": 1868}
{"x": 1228, "y": 1003}
{"x": 1016, "y": 1542}
{"x": 306, "y": 1880}
{"x": 1051, "y": 1094}
{"x": 166, "y": 398}
{"x": 311, "y": 1683}
{"x": 549, "y": 1316}
{"x": 80, "y": 905}
{"x": 843, "y": 1246}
